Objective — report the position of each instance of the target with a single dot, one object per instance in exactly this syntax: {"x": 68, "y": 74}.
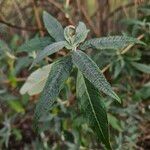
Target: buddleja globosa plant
{"x": 90, "y": 80}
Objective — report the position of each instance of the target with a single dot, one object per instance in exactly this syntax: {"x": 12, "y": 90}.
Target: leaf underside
{"x": 36, "y": 81}
{"x": 53, "y": 27}
{"x": 59, "y": 73}
{"x": 112, "y": 42}
{"x": 93, "y": 108}
{"x": 91, "y": 71}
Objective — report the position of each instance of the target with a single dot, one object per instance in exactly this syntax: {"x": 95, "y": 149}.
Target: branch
{"x": 37, "y": 17}
{"x": 119, "y": 9}
{"x": 123, "y": 52}
{"x": 20, "y": 27}
{"x": 122, "y": 7}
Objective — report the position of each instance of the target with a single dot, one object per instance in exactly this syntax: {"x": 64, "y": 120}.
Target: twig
{"x": 122, "y": 52}
{"x": 67, "y": 3}
{"x": 120, "y": 8}
{"x": 37, "y": 17}
{"x": 106, "y": 68}
{"x": 57, "y": 5}
{"x": 131, "y": 45}
{"x": 20, "y": 17}
{"x": 20, "y": 27}
{"x": 89, "y": 21}
{"x": 17, "y": 79}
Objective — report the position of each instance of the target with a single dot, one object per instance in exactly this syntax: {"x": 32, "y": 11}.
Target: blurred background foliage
{"x": 127, "y": 70}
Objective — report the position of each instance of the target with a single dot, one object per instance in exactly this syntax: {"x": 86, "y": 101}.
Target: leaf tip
{"x": 116, "y": 97}
{"x": 45, "y": 13}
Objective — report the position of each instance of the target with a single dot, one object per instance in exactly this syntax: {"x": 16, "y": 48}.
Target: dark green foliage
{"x": 90, "y": 80}
{"x": 112, "y": 42}
{"x": 92, "y": 73}
{"x": 93, "y": 108}
{"x": 59, "y": 73}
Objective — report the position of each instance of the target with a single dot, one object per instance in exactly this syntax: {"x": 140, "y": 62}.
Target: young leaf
{"x": 53, "y": 27}
{"x": 141, "y": 67}
{"x": 81, "y": 33}
{"x": 59, "y": 73}
{"x": 93, "y": 108}
{"x": 48, "y": 50}
{"x": 112, "y": 42}
{"x": 91, "y": 71}
{"x": 36, "y": 81}
{"x": 35, "y": 44}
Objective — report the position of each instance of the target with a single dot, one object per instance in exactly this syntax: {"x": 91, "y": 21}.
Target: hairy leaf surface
{"x": 81, "y": 33}
{"x": 93, "y": 108}
{"x": 35, "y": 44}
{"x": 91, "y": 71}
{"x": 112, "y": 42}
{"x": 48, "y": 50}
{"x": 53, "y": 27}
{"x": 59, "y": 73}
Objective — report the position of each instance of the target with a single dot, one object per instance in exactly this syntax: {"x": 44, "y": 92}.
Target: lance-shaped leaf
{"x": 53, "y": 27}
{"x": 81, "y": 33}
{"x": 48, "y": 50}
{"x": 141, "y": 67}
{"x": 35, "y": 44}
{"x": 59, "y": 73}
{"x": 91, "y": 71}
{"x": 93, "y": 108}
{"x": 36, "y": 81}
{"x": 112, "y": 42}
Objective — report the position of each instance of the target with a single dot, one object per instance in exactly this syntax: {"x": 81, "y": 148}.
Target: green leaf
{"x": 59, "y": 73}
{"x": 91, "y": 71}
{"x": 35, "y": 44}
{"x": 16, "y": 105}
{"x": 69, "y": 34}
{"x": 48, "y": 50}
{"x": 93, "y": 108}
{"x": 112, "y": 42}
{"x": 53, "y": 27}
{"x": 36, "y": 81}
{"x": 81, "y": 33}
{"x": 114, "y": 122}
{"x": 141, "y": 67}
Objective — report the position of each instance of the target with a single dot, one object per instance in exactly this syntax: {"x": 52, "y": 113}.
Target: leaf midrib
{"x": 90, "y": 69}
{"x": 93, "y": 110}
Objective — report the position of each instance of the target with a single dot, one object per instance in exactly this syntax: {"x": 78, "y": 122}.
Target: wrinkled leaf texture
{"x": 59, "y": 73}
{"x": 112, "y": 42}
{"x": 93, "y": 108}
{"x": 91, "y": 71}
{"x": 53, "y": 27}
